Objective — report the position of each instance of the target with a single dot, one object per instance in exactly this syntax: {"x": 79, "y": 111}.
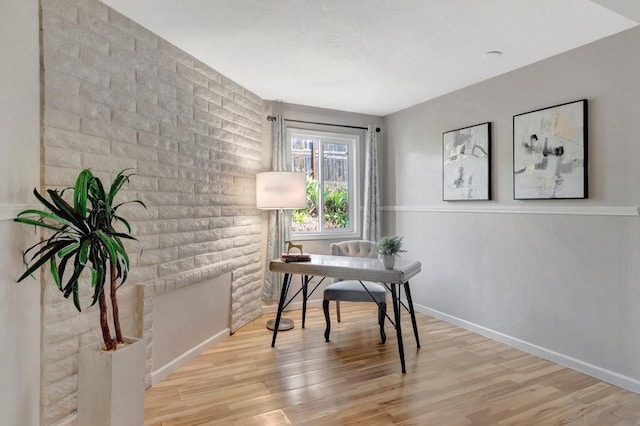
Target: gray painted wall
{"x": 204, "y": 309}
{"x": 564, "y": 285}
{"x": 19, "y": 173}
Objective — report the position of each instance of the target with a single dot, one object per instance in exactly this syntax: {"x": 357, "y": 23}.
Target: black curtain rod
{"x": 272, "y": 118}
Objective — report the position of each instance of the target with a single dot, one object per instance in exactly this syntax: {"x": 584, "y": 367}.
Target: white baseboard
{"x": 617, "y": 379}
{"x": 172, "y": 366}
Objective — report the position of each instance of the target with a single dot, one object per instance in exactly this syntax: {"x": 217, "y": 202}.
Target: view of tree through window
{"x": 326, "y": 160}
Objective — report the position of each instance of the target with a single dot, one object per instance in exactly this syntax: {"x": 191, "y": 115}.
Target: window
{"x": 329, "y": 161}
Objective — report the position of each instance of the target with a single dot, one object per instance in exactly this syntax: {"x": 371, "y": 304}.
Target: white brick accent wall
{"x": 117, "y": 96}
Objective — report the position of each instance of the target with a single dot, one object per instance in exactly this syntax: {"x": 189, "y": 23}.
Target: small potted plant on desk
{"x": 389, "y": 247}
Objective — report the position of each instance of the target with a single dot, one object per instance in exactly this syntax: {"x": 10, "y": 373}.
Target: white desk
{"x": 352, "y": 268}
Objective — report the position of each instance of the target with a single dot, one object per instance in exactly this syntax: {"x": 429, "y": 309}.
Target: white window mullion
{"x": 321, "y": 186}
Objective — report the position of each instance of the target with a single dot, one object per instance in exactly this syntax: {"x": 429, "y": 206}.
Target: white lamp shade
{"x": 281, "y": 190}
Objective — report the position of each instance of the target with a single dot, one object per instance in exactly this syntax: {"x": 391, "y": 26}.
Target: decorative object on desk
{"x": 389, "y": 247}
{"x": 295, "y": 257}
{"x": 550, "y": 152}
{"x": 290, "y": 245}
{"x": 466, "y": 163}
{"x": 280, "y": 191}
{"x": 82, "y": 232}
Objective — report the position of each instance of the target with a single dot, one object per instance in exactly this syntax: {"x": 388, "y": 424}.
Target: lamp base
{"x": 285, "y": 324}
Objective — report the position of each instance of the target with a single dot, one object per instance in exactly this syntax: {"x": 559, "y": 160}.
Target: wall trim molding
{"x": 178, "y": 362}
{"x": 617, "y": 379}
{"x": 10, "y": 211}
{"x": 560, "y": 210}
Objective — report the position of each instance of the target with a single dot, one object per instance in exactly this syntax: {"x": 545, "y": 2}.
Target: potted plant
{"x": 388, "y": 248}
{"x": 81, "y": 235}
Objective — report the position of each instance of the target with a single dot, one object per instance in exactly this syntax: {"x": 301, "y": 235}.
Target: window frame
{"x": 353, "y": 141}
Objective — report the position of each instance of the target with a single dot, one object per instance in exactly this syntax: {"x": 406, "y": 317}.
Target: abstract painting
{"x": 550, "y": 152}
{"x": 466, "y": 166}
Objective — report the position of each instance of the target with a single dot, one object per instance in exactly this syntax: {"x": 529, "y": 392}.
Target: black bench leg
{"x": 305, "y": 282}
{"x": 325, "y": 308}
{"x": 382, "y": 309}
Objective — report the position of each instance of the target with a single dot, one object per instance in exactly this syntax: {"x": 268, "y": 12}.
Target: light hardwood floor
{"x": 456, "y": 378}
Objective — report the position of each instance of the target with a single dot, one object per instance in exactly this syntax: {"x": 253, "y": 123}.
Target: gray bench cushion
{"x": 352, "y": 291}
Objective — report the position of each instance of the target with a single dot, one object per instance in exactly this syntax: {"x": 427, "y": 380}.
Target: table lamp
{"x": 280, "y": 191}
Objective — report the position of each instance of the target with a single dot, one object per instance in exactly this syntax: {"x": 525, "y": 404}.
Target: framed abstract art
{"x": 550, "y": 152}
{"x": 466, "y": 163}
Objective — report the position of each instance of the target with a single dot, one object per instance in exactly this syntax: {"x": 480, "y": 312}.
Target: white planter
{"x": 388, "y": 260}
{"x": 111, "y": 385}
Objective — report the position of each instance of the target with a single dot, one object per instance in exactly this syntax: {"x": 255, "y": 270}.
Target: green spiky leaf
{"x": 83, "y": 234}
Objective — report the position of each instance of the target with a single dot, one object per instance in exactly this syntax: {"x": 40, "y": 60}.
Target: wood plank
{"x": 456, "y": 378}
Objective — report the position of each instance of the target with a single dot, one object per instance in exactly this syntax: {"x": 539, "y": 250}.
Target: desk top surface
{"x": 350, "y": 268}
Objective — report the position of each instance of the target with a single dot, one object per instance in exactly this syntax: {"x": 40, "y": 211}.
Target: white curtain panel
{"x": 279, "y": 223}
{"x": 371, "y": 216}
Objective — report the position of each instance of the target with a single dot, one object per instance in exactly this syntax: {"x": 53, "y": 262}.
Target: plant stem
{"x": 114, "y": 304}
{"x": 104, "y": 325}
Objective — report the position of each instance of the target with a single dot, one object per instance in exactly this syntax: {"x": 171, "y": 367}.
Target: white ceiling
{"x": 373, "y": 56}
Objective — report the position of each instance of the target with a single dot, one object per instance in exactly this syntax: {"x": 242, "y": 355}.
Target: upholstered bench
{"x": 352, "y": 290}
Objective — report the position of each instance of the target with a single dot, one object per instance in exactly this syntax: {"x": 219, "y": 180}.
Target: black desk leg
{"x": 396, "y": 313}
{"x": 412, "y": 312}
{"x": 305, "y": 282}
{"x": 283, "y": 297}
